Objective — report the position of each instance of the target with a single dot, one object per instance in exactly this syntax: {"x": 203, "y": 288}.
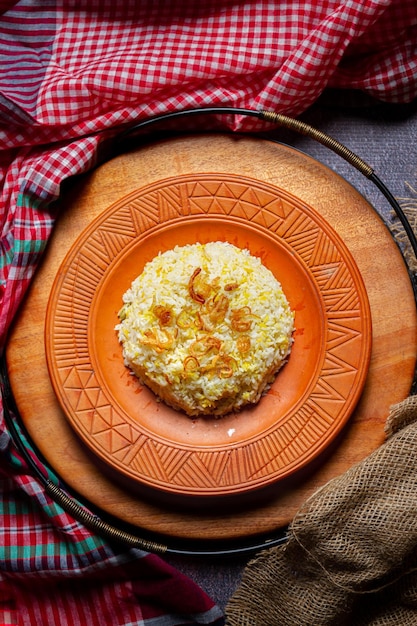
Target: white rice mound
{"x": 206, "y": 327}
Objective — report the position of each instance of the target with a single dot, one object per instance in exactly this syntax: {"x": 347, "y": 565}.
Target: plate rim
{"x": 100, "y": 219}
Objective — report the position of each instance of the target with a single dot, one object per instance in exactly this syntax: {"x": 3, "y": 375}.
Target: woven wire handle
{"x": 318, "y": 135}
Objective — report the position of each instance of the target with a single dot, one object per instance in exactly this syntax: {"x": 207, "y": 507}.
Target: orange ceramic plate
{"x": 146, "y": 442}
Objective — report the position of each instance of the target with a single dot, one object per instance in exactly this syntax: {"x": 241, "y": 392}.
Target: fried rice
{"x": 206, "y": 327}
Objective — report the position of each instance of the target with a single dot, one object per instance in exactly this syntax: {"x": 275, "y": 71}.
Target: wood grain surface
{"x": 394, "y": 336}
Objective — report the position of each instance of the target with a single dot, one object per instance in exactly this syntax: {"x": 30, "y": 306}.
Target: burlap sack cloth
{"x": 351, "y": 555}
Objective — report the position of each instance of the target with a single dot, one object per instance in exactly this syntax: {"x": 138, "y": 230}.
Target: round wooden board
{"x": 394, "y": 336}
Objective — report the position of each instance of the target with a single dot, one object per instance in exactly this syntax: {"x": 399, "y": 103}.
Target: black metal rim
{"x": 112, "y": 529}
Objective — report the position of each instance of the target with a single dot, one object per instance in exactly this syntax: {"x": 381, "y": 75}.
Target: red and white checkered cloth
{"x": 72, "y": 72}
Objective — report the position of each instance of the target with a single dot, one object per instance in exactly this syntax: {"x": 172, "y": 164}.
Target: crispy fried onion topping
{"x": 207, "y": 353}
{"x": 158, "y": 338}
{"x": 164, "y": 314}
{"x": 241, "y": 319}
{"x": 198, "y": 289}
{"x": 223, "y": 365}
{"x": 204, "y": 345}
{"x": 243, "y": 344}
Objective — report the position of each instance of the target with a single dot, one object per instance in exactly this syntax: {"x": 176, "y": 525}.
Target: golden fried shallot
{"x": 191, "y": 364}
{"x": 204, "y": 345}
{"x": 164, "y": 314}
{"x": 241, "y": 319}
{"x": 185, "y": 319}
{"x": 159, "y": 339}
{"x": 218, "y": 308}
{"x": 226, "y": 366}
{"x": 243, "y": 344}
{"x": 198, "y": 288}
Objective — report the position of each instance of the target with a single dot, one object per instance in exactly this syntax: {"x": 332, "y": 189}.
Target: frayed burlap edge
{"x": 401, "y": 415}
{"x": 409, "y": 207}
